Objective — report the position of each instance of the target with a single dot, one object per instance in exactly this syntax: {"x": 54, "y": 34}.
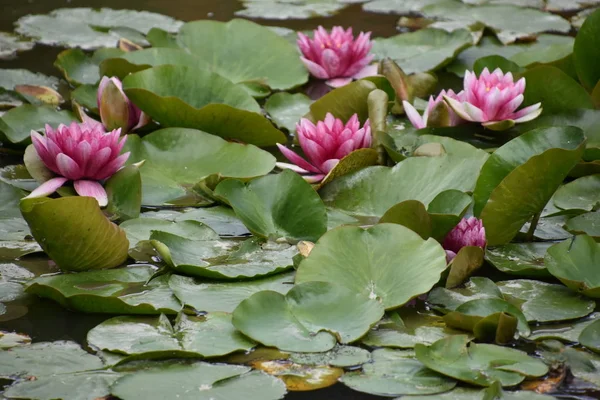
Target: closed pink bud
{"x": 82, "y": 153}
{"x": 469, "y": 232}
{"x": 337, "y": 56}
{"x": 324, "y": 144}
{"x": 492, "y": 99}
{"x": 116, "y": 110}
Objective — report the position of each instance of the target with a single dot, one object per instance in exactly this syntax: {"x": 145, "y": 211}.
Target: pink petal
{"x": 313, "y": 178}
{"x": 458, "y": 108}
{"x": 315, "y": 69}
{"x": 296, "y": 159}
{"x": 48, "y": 187}
{"x": 99, "y": 159}
{"x": 91, "y": 189}
{"x": 68, "y": 167}
{"x": 474, "y": 112}
{"x": 329, "y": 164}
{"x": 528, "y": 113}
{"x": 338, "y": 82}
{"x": 113, "y": 166}
{"x": 413, "y": 115}
{"x": 332, "y": 63}
{"x": 295, "y": 168}
{"x": 369, "y": 70}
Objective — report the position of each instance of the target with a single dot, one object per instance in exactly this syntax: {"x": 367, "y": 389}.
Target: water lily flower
{"x": 493, "y": 99}
{"x": 80, "y": 153}
{"x": 468, "y": 232}
{"x": 337, "y": 56}
{"x": 116, "y": 110}
{"x": 434, "y": 107}
{"x": 324, "y": 144}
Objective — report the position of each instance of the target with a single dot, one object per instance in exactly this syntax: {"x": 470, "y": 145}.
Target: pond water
{"x": 44, "y": 320}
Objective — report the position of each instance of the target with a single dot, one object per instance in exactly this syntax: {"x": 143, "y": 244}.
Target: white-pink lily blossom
{"x": 324, "y": 144}
{"x": 337, "y": 56}
{"x": 493, "y": 99}
{"x": 422, "y": 121}
{"x": 83, "y": 153}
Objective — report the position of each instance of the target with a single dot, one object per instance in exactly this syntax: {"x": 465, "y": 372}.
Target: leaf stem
{"x": 534, "y": 223}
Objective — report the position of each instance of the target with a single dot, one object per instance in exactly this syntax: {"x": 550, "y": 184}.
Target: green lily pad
{"x": 479, "y": 364}
{"x": 286, "y": 109}
{"x": 225, "y": 260}
{"x": 343, "y": 102}
{"x": 394, "y": 373}
{"x": 277, "y": 206}
{"x": 580, "y": 195}
{"x": 124, "y": 190}
{"x": 9, "y": 340}
{"x": 74, "y": 233}
{"x": 523, "y": 259}
{"x": 462, "y": 393}
{"x": 397, "y": 6}
{"x": 46, "y": 358}
{"x": 349, "y": 256}
{"x": 585, "y": 56}
{"x": 210, "y": 335}
{"x": 339, "y": 356}
{"x": 424, "y": 50}
{"x": 574, "y": 262}
{"x": 73, "y": 386}
{"x": 416, "y": 178}
{"x": 139, "y": 229}
{"x": 411, "y": 214}
{"x": 545, "y": 81}
{"x": 79, "y": 68}
{"x": 590, "y": 336}
{"x": 286, "y": 9}
{"x": 588, "y": 223}
{"x": 115, "y": 291}
{"x": 11, "y": 44}
{"x": 508, "y": 22}
{"x": 197, "y": 381}
{"x": 89, "y": 28}
{"x": 464, "y": 264}
{"x": 545, "y": 302}
{"x": 10, "y": 78}
{"x": 568, "y": 332}
{"x": 207, "y": 101}
{"x": 493, "y": 62}
{"x": 311, "y": 313}
{"x": 545, "y": 49}
{"x": 472, "y": 315}
{"x": 221, "y": 219}
{"x": 225, "y": 296}
{"x": 16, "y": 124}
{"x": 243, "y": 51}
{"x": 519, "y": 178}
{"x": 10, "y": 197}
{"x": 178, "y": 158}
{"x": 407, "y": 329}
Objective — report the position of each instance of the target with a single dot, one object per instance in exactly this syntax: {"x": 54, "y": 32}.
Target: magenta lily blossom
{"x": 116, "y": 110}
{"x": 337, "y": 56}
{"x": 493, "y": 99}
{"x": 81, "y": 153}
{"x": 468, "y": 232}
{"x": 421, "y": 121}
{"x": 324, "y": 144}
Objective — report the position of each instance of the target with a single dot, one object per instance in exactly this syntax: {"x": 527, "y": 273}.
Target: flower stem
{"x": 534, "y": 223}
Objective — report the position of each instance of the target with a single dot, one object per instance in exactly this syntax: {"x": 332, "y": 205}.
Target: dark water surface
{"x": 46, "y": 320}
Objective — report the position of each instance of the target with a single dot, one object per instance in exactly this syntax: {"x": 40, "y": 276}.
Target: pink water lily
{"x": 116, "y": 110}
{"x": 324, "y": 144}
{"x": 337, "y": 56}
{"x": 468, "y": 232}
{"x": 423, "y": 121}
{"x": 82, "y": 153}
{"x": 493, "y": 99}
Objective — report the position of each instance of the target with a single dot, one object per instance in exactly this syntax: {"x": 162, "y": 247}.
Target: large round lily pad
{"x": 310, "y": 314}
{"x": 176, "y": 159}
{"x": 588, "y": 223}
{"x": 277, "y": 206}
{"x": 210, "y": 335}
{"x": 139, "y": 229}
{"x": 479, "y": 364}
{"x": 74, "y": 232}
{"x": 580, "y": 195}
{"x": 524, "y": 259}
{"x": 416, "y": 178}
{"x": 423, "y": 50}
{"x": 198, "y": 381}
{"x": 225, "y": 296}
{"x": 575, "y": 262}
{"x": 585, "y": 56}
{"x": 188, "y": 97}
{"x": 244, "y": 51}
{"x": 16, "y": 124}
{"x": 395, "y": 373}
{"x": 223, "y": 259}
{"x": 387, "y": 262}
{"x": 519, "y": 178}
{"x": 115, "y": 291}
